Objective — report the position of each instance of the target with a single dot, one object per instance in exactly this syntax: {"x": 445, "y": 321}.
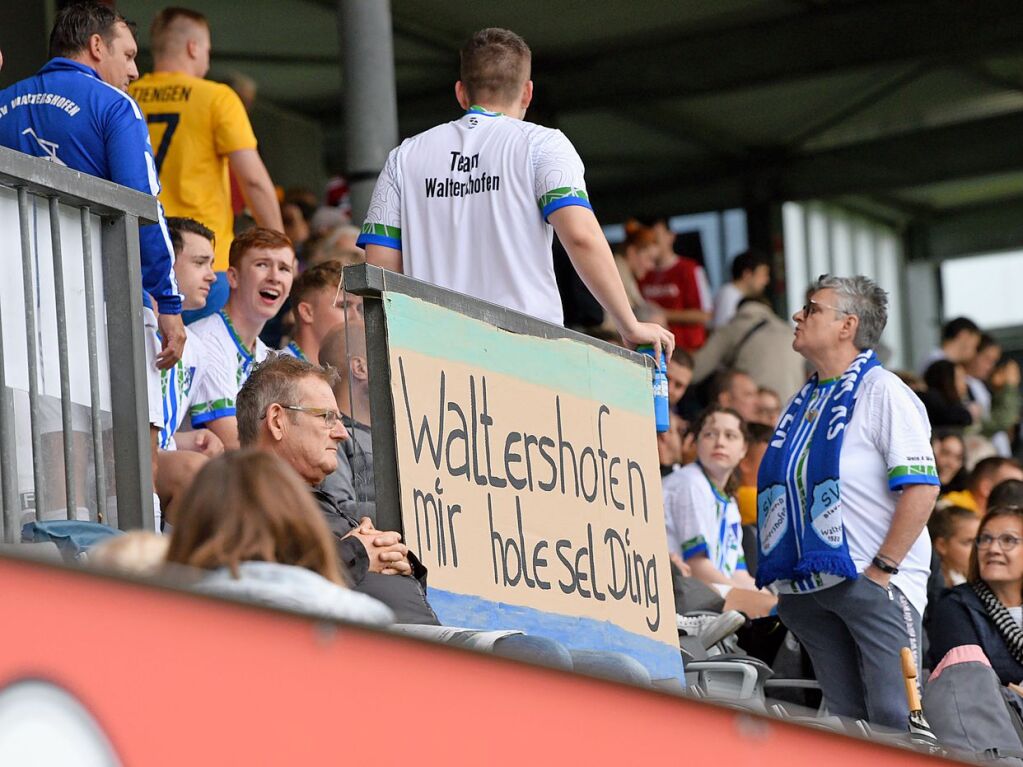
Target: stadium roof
{"x": 904, "y": 107}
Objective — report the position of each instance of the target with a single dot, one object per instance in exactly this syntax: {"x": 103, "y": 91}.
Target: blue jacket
{"x": 68, "y": 115}
{"x": 960, "y": 618}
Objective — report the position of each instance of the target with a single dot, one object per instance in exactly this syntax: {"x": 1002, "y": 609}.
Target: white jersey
{"x": 886, "y": 447}
{"x": 700, "y": 520}
{"x": 294, "y": 350}
{"x": 467, "y": 203}
{"x": 227, "y": 366}
{"x": 178, "y": 387}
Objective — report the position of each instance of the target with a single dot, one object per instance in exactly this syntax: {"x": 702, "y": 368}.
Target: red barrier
{"x": 176, "y": 679}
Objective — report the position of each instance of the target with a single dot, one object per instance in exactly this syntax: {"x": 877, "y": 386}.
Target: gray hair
{"x": 273, "y": 380}
{"x": 862, "y": 297}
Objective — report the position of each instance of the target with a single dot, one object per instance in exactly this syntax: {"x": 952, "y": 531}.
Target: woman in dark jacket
{"x": 987, "y": 610}
{"x": 943, "y": 398}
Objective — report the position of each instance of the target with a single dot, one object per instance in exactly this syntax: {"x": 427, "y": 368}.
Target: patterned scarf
{"x": 1004, "y": 622}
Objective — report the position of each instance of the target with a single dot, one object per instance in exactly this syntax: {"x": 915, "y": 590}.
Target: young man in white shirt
{"x": 182, "y": 454}
{"x": 319, "y": 306}
{"x": 470, "y": 205}
{"x": 262, "y": 266}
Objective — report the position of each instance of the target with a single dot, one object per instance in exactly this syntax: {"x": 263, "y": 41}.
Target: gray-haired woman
{"x": 844, "y": 493}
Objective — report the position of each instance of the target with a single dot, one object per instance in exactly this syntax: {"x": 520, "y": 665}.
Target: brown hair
{"x": 249, "y": 505}
{"x": 637, "y": 235}
{"x": 256, "y": 238}
{"x": 324, "y": 275}
{"x": 78, "y": 22}
{"x": 732, "y": 485}
{"x": 275, "y": 379}
{"x": 973, "y": 576}
{"x": 988, "y": 468}
{"x": 495, "y": 65}
{"x": 164, "y": 27}
{"x": 176, "y": 226}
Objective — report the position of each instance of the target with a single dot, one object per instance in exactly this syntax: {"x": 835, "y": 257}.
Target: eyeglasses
{"x": 814, "y": 307}
{"x": 330, "y": 417}
{"x": 1006, "y": 542}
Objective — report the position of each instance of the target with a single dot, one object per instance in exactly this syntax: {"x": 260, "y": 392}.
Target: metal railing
{"x": 71, "y": 338}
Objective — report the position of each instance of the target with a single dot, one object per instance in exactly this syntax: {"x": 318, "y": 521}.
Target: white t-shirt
{"x": 886, "y": 447}
{"x": 178, "y": 386}
{"x": 227, "y": 366}
{"x": 467, "y": 203}
{"x": 726, "y": 304}
{"x": 699, "y": 520}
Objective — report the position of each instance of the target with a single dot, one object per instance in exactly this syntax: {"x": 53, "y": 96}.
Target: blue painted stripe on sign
{"x": 662, "y": 660}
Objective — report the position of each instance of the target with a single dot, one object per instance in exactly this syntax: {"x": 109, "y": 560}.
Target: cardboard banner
{"x": 529, "y": 484}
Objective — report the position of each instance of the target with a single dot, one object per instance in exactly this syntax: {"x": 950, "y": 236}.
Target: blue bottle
{"x": 661, "y": 416}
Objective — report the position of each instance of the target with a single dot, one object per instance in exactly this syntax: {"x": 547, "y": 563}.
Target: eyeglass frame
{"x": 330, "y": 417}
{"x": 805, "y": 310}
{"x": 989, "y": 541}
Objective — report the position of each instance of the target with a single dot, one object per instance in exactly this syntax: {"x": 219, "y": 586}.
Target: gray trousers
{"x": 853, "y": 633}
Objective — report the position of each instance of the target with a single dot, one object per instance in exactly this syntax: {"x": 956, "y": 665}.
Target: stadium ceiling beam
{"x": 826, "y": 40}
{"x": 965, "y": 150}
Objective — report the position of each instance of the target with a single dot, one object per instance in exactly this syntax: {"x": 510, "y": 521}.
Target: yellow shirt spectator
{"x": 194, "y": 124}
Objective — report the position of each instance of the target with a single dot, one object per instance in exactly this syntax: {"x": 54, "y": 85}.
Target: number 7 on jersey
{"x": 170, "y": 120}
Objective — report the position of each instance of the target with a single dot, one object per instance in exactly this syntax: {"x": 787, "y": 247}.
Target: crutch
{"x": 919, "y": 730}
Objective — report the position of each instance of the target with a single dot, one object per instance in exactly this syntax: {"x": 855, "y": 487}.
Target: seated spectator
{"x": 987, "y": 610}
{"x": 351, "y": 483}
{"x": 326, "y": 218}
{"x": 669, "y": 445}
{"x": 679, "y": 286}
{"x": 746, "y": 493}
{"x": 949, "y": 459}
{"x": 738, "y": 391}
{"x": 1006, "y": 493}
{"x": 296, "y": 228}
{"x": 680, "y": 375}
{"x": 959, "y": 340}
{"x": 262, "y": 266}
{"x": 701, "y": 516}
{"x": 751, "y": 274}
{"x": 953, "y": 531}
{"x": 769, "y": 406}
{"x": 985, "y": 476}
{"x": 944, "y": 396}
{"x": 319, "y": 306}
{"x": 249, "y": 521}
{"x": 183, "y": 453}
{"x": 287, "y": 408}
{"x": 137, "y": 552}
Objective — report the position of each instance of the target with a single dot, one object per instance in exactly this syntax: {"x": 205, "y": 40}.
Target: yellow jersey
{"x": 194, "y": 124}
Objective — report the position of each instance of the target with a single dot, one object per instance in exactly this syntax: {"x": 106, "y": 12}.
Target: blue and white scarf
{"x": 801, "y": 534}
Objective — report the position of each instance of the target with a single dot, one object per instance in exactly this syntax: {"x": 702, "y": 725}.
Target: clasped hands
{"x": 387, "y": 554}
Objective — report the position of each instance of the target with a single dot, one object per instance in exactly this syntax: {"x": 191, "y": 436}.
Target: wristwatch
{"x": 883, "y": 566}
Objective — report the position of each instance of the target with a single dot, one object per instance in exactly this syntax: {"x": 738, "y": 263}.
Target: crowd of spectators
{"x": 263, "y": 460}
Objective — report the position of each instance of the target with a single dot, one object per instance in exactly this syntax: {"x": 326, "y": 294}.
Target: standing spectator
{"x": 959, "y": 340}
{"x": 943, "y": 398}
{"x": 844, "y": 492}
{"x": 490, "y": 177}
{"x": 261, "y": 269}
{"x": 769, "y": 406}
{"x": 757, "y": 342}
{"x": 679, "y": 286}
{"x": 751, "y": 274}
{"x": 88, "y": 123}
{"x": 680, "y": 375}
{"x": 200, "y": 129}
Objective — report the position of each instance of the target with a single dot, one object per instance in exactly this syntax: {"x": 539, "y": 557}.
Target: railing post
{"x": 96, "y": 404}
{"x": 70, "y": 501}
{"x": 32, "y": 344}
{"x": 122, "y": 277}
